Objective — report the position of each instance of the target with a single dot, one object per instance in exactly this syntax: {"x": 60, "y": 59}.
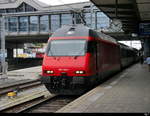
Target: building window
{"x": 12, "y": 10}
{"x": 55, "y": 22}
{"x": 87, "y": 17}
{"x": 66, "y": 19}
{"x": 44, "y": 23}
{"x": 102, "y": 20}
{"x": 23, "y": 24}
{"x": 33, "y": 23}
{"x": 6, "y": 24}
{"x": 93, "y": 21}
{"x": 12, "y": 24}
{"x": 2, "y": 11}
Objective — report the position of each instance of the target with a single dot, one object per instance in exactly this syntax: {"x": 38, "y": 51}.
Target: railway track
{"x": 51, "y": 105}
{"x": 40, "y": 104}
{"x": 33, "y": 98}
{"x": 22, "y": 102}
{"x": 19, "y": 85}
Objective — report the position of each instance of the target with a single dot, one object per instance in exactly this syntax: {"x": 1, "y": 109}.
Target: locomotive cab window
{"x": 67, "y": 47}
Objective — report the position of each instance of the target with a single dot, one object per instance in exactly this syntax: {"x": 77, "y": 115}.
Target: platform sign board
{"x": 144, "y": 28}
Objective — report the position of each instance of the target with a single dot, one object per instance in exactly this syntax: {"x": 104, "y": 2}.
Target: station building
{"x": 57, "y": 19}
{"x": 31, "y": 21}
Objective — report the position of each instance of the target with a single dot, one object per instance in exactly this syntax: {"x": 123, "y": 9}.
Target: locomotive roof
{"x": 81, "y": 30}
{"x": 71, "y": 30}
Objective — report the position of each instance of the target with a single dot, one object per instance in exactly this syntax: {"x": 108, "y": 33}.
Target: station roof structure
{"x": 40, "y": 6}
{"x": 130, "y": 12}
{"x": 4, "y": 4}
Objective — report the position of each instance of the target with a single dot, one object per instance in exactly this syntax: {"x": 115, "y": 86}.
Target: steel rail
{"x": 51, "y": 105}
{"x": 16, "y": 105}
{"x": 20, "y": 85}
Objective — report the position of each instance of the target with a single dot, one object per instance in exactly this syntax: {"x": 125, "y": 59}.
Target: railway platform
{"x": 21, "y": 76}
{"x": 128, "y": 91}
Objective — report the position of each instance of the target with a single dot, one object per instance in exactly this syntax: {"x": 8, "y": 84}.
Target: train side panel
{"x": 109, "y": 57}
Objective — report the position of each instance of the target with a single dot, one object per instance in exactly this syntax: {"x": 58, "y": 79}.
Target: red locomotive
{"x": 78, "y": 57}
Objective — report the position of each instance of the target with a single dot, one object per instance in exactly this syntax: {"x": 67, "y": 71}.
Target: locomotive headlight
{"x": 77, "y": 72}
{"x": 80, "y": 72}
{"x": 49, "y": 72}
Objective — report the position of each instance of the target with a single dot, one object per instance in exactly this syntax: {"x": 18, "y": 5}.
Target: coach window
{"x": 12, "y": 24}
{"x": 55, "y": 22}
{"x": 33, "y": 23}
{"x": 44, "y": 23}
{"x": 66, "y": 19}
{"x": 23, "y": 24}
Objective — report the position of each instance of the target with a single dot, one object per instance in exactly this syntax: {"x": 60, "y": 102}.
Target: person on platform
{"x": 148, "y": 62}
{"x": 141, "y": 59}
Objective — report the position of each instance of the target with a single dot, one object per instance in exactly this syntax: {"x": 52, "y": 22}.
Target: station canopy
{"x": 130, "y": 12}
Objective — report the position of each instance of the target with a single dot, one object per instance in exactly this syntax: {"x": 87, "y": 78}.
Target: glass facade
{"x": 102, "y": 20}
{"x": 66, "y": 19}
{"x": 12, "y": 10}
{"x": 55, "y": 22}
{"x": 93, "y": 26}
{"x": 12, "y": 22}
{"x": 23, "y": 24}
{"x": 87, "y": 17}
{"x": 2, "y": 11}
{"x": 6, "y": 24}
{"x": 33, "y": 23}
{"x": 44, "y": 23}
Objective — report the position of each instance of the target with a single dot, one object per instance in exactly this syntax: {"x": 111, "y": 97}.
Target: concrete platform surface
{"x": 128, "y": 91}
{"x": 21, "y": 75}
{"x": 27, "y": 73}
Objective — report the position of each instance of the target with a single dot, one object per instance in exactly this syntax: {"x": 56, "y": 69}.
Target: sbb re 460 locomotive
{"x": 77, "y": 58}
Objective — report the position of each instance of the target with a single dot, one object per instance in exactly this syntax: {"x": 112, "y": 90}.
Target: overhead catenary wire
{"x": 74, "y": 11}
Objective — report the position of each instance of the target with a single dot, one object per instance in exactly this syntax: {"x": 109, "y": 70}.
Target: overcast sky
{"x": 58, "y": 2}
